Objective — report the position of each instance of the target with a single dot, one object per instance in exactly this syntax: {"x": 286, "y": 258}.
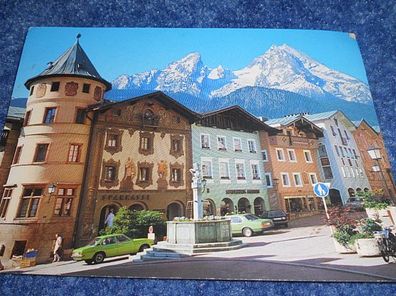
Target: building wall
{"x": 300, "y": 142}
{"x": 365, "y": 139}
{"x": 343, "y": 181}
{"x": 40, "y": 229}
{"x": 216, "y": 188}
{"x": 125, "y": 191}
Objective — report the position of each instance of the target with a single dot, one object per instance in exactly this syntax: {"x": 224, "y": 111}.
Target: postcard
{"x": 251, "y": 154}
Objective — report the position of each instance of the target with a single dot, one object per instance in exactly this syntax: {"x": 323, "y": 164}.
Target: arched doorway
{"x": 227, "y": 206}
{"x": 244, "y": 205}
{"x": 175, "y": 209}
{"x": 335, "y": 197}
{"x": 259, "y": 206}
{"x": 209, "y": 208}
{"x": 351, "y": 192}
{"x": 366, "y": 189}
{"x": 137, "y": 207}
{"x": 104, "y": 212}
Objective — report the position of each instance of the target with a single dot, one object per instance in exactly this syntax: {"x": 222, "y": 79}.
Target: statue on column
{"x": 197, "y": 194}
{"x": 162, "y": 174}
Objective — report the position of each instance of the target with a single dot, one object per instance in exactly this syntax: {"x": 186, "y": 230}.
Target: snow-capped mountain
{"x": 280, "y": 67}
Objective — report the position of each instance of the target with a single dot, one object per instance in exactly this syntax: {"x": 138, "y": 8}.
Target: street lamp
{"x": 375, "y": 154}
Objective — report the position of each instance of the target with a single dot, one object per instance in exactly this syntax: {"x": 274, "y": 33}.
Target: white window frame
{"x": 310, "y": 178}
{"x": 256, "y": 163}
{"x": 270, "y": 179}
{"x": 266, "y": 155}
{"x": 240, "y": 143}
{"x": 283, "y": 154}
{"x": 310, "y": 156}
{"x": 254, "y": 145}
{"x": 288, "y": 179}
{"x": 218, "y": 143}
{"x": 294, "y": 153}
{"x": 227, "y": 162}
{"x": 300, "y": 178}
{"x": 240, "y": 161}
{"x": 200, "y": 137}
{"x": 207, "y": 159}
{"x": 343, "y": 172}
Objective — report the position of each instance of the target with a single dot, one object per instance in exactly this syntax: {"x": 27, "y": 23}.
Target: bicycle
{"x": 387, "y": 243}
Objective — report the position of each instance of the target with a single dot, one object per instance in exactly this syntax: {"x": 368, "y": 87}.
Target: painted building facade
{"x": 290, "y": 161}
{"x": 380, "y": 178}
{"x": 339, "y": 156}
{"x": 140, "y": 158}
{"x": 226, "y": 144}
{"x": 44, "y": 182}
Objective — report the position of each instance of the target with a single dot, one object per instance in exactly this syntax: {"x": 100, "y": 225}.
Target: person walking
{"x": 58, "y": 248}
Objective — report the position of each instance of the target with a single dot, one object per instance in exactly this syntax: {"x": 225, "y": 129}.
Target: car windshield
{"x": 95, "y": 241}
{"x": 251, "y": 217}
{"x": 276, "y": 214}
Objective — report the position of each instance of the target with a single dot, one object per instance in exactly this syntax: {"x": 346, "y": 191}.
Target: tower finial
{"x": 78, "y": 37}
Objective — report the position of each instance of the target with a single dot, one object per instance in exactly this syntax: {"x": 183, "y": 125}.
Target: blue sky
{"x": 116, "y": 51}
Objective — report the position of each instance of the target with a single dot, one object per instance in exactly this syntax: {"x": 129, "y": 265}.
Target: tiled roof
{"x": 320, "y": 116}
{"x": 282, "y": 120}
{"x": 74, "y": 62}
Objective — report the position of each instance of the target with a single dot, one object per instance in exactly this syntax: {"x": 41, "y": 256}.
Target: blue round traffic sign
{"x": 321, "y": 189}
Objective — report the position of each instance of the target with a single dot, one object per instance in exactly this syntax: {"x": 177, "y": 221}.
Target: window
{"x": 176, "y": 144}
{"x": 279, "y": 154}
{"x": 240, "y": 171}
{"x": 223, "y": 169}
{"x": 255, "y": 172}
{"x": 5, "y": 200}
{"x": 346, "y": 152}
{"x": 86, "y": 88}
{"x": 237, "y": 144}
{"x": 74, "y": 153}
{"x": 116, "y": 112}
{"x": 308, "y": 156}
{"x": 64, "y": 200}
{"x": 205, "y": 141}
{"x": 221, "y": 143}
{"x": 176, "y": 175}
{"x": 31, "y": 90}
{"x": 350, "y": 162}
{"x": 110, "y": 173}
{"x": 352, "y": 173}
{"x": 336, "y": 149}
{"x": 17, "y": 155}
{"x": 336, "y": 121}
{"x": 112, "y": 140}
{"x": 55, "y": 86}
{"x": 297, "y": 179}
{"x": 346, "y": 134}
{"x": 206, "y": 168}
{"x": 264, "y": 153}
{"x": 292, "y": 155}
{"x": 285, "y": 179}
{"x": 313, "y": 178}
{"x": 27, "y": 118}
{"x": 350, "y": 152}
{"x": 49, "y": 115}
{"x": 41, "y": 152}
{"x": 80, "y": 116}
{"x": 354, "y": 153}
{"x": 30, "y": 201}
{"x": 145, "y": 174}
{"x": 342, "y": 160}
{"x": 333, "y": 131}
{"x": 268, "y": 180}
{"x": 145, "y": 143}
{"x": 252, "y": 146}
{"x": 342, "y": 152}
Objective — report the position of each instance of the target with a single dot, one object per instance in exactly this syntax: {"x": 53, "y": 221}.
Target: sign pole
{"x": 325, "y": 206}
{"x": 322, "y": 190}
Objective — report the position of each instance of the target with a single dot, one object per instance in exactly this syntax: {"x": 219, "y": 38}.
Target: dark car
{"x": 279, "y": 217}
{"x": 356, "y": 204}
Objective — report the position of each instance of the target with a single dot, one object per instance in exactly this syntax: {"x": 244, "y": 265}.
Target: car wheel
{"x": 143, "y": 247}
{"x": 247, "y": 232}
{"x": 88, "y": 261}
{"x": 99, "y": 257}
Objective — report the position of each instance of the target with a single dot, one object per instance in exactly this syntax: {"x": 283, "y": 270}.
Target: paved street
{"x": 304, "y": 251}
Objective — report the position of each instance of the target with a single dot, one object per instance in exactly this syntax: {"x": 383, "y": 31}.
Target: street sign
{"x": 321, "y": 189}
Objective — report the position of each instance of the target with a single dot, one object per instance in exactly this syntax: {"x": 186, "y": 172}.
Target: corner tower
{"x": 44, "y": 183}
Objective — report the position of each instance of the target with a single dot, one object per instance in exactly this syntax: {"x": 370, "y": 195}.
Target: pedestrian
{"x": 109, "y": 219}
{"x": 58, "y": 248}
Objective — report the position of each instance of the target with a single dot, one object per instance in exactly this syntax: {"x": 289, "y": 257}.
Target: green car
{"x": 248, "y": 224}
{"x": 110, "y": 246}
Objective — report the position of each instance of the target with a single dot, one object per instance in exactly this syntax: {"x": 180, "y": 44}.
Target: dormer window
{"x": 86, "y": 88}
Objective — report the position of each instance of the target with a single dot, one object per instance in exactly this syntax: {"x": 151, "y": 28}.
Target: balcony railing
{"x": 150, "y": 121}
{"x": 4, "y": 136}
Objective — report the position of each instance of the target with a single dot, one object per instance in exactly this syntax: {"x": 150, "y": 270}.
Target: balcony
{"x": 4, "y": 136}
{"x": 150, "y": 120}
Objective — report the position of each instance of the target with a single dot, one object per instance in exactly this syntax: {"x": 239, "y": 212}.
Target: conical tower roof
{"x": 74, "y": 62}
